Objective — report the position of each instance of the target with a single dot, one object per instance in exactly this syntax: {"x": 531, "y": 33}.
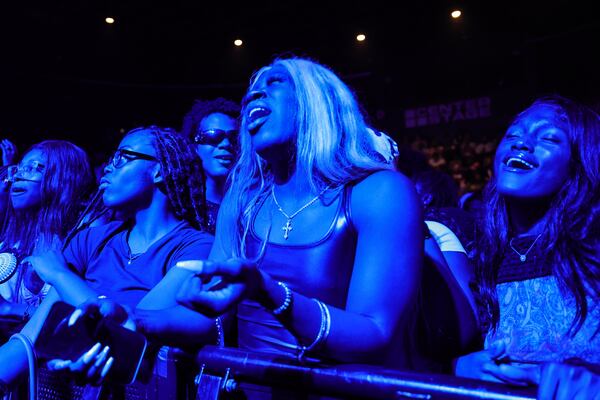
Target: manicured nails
{"x": 106, "y": 368}
{"x": 101, "y": 357}
{"x": 91, "y": 353}
{"x": 75, "y": 316}
{"x": 191, "y": 265}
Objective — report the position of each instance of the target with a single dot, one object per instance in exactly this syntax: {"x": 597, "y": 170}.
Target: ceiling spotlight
{"x": 456, "y": 14}
{"x": 109, "y": 20}
{"x": 360, "y": 37}
{"x": 238, "y": 42}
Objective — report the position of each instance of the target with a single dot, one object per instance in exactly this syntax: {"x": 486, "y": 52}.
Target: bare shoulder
{"x": 385, "y": 193}
{"x": 383, "y": 186}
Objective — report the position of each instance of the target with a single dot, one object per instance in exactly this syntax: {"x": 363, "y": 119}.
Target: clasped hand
{"x": 558, "y": 381}
{"x": 215, "y": 286}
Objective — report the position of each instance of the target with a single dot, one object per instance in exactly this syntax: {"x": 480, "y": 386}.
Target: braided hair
{"x": 184, "y": 178}
{"x": 183, "y": 181}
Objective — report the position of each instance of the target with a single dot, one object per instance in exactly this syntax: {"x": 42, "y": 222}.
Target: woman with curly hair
{"x": 212, "y": 125}
{"x": 538, "y": 264}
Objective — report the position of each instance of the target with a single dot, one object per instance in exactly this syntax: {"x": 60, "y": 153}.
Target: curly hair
{"x": 203, "y": 108}
{"x": 571, "y": 239}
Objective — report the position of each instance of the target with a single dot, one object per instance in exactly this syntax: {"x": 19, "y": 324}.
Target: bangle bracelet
{"x": 323, "y": 333}
{"x": 286, "y": 302}
{"x": 220, "y": 334}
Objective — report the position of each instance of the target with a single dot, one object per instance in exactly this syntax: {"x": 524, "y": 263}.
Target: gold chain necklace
{"x": 288, "y": 224}
{"x": 523, "y": 257}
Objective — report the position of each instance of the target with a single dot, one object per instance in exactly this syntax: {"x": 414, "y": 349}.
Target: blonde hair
{"x": 332, "y": 149}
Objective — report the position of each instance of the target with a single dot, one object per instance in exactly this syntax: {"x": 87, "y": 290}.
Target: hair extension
{"x": 332, "y": 145}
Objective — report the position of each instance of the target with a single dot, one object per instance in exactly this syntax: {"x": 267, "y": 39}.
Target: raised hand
{"x": 9, "y": 152}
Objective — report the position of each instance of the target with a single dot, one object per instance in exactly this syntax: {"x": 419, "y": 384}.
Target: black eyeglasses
{"x": 215, "y": 136}
{"x": 123, "y": 156}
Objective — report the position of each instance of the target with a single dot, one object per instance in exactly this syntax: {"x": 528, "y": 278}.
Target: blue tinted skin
{"x": 217, "y": 160}
{"x": 539, "y": 137}
{"x": 127, "y": 187}
{"x": 273, "y": 134}
{"x": 26, "y": 190}
{"x": 383, "y": 205}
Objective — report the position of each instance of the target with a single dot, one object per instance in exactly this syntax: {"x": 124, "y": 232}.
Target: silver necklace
{"x": 131, "y": 256}
{"x": 288, "y": 224}
{"x": 523, "y": 257}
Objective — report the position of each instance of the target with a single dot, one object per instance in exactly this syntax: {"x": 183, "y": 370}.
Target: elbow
{"x": 371, "y": 348}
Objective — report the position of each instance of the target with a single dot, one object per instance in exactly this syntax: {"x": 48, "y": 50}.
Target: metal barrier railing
{"x": 226, "y": 370}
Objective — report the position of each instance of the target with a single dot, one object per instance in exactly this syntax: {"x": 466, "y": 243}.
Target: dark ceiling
{"x": 67, "y": 73}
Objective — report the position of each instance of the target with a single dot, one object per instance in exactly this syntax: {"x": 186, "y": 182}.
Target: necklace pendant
{"x": 522, "y": 257}
{"x": 287, "y": 228}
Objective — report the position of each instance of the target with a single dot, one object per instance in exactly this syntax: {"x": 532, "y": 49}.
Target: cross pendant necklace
{"x": 288, "y": 223}
{"x": 287, "y": 228}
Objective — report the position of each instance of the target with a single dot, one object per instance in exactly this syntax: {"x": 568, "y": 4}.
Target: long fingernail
{"x": 191, "y": 265}
{"x": 106, "y": 368}
{"x": 102, "y": 356}
{"x": 87, "y": 357}
{"x": 75, "y": 316}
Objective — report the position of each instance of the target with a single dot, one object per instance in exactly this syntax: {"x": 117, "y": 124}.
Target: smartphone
{"x": 59, "y": 340}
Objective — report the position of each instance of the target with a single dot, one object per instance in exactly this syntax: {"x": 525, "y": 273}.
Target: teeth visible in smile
{"x": 257, "y": 112}
{"x": 515, "y": 162}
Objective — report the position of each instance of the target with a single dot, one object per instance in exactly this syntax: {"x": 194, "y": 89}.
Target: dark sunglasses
{"x": 215, "y": 136}
{"x": 123, "y": 156}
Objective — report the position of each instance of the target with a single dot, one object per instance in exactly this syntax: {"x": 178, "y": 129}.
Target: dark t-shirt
{"x": 101, "y": 256}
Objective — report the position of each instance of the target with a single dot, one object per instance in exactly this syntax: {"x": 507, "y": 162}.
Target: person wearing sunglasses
{"x": 212, "y": 125}
{"x": 47, "y": 191}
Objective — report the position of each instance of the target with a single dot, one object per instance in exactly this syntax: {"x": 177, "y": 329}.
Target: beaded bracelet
{"x": 220, "y": 334}
{"x": 323, "y": 333}
{"x": 286, "y": 302}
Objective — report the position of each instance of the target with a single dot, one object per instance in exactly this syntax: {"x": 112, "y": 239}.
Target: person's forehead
{"x": 141, "y": 141}
{"x": 268, "y": 71}
{"x": 35, "y": 155}
{"x": 217, "y": 120}
{"x": 542, "y": 114}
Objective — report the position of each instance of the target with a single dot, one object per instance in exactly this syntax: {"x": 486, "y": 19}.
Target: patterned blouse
{"x": 535, "y": 316}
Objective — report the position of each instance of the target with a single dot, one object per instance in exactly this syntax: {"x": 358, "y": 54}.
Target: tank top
{"x": 320, "y": 270}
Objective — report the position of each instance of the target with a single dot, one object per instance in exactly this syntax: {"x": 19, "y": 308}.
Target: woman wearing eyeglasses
{"x": 213, "y": 127}
{"x": 153, "y": 180}
{"x": 47, "y": 190}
